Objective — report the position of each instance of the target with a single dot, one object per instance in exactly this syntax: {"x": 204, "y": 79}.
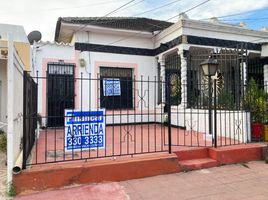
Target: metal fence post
{"x": 169, "y": 112}
{"x": 24, "y": 157}
{"x": 215, "y": 114}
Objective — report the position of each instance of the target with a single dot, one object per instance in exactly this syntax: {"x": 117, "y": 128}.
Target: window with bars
{"x": 116, "y": 88}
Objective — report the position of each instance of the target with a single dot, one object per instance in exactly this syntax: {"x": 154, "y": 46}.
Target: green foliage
{"x": 225, "y": 100}
{"x": 3, "y": 141}
{"x": 11, "y": 190}
{"x": 255, "y": 102}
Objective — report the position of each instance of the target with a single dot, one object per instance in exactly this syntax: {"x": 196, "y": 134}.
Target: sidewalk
{"x": 3, "y": 176}
{"x": 242, "y": 181}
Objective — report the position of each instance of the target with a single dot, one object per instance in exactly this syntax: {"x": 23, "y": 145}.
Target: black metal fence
{"x": 30, "y": 115}
{"x": 82, "y": 117}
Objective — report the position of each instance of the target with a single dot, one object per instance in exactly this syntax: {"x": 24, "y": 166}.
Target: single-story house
{"x": 141, "y": 56}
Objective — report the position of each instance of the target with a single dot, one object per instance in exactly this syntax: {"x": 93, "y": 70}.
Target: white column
{"x": 161, "y": 61}
{"x": 10, "y": 102}
{"x": 183, "y": 79}
{"x": 265, "y": 73}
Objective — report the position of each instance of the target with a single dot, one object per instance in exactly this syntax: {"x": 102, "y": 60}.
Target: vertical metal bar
{"x": 47, "y": 79}
{"x": 141, "y": 96}
{"x": 98, "y": 106}
{"x": 210, "y": 108}
{"x": 113, "y": 124}
{"x": 148, "y": 99}
{"x": 134, "y": 103}
{"x": 81, "y": 110}
{"x": 169, "y": 114}
{"x": 89, "y": 108}
{"x": 155, "y": 113}
{"x": 35, "y": 139}
{"x": 127, "y": 82}
{"x": 25, "y": 91}
{"x": 215, "y": 115}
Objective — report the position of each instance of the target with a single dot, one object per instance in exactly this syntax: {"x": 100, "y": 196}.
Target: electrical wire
{"x": 190, "y": 9}
{"x": 105, "y": 15}
{"x": 73, "y": 7}
{"x": 114, "y": 11}
{"x": 165, "y": 5}
{"x": 135, "y": 34}
{"x": 235, "y": 14}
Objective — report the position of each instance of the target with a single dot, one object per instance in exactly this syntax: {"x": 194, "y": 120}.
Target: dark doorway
{"x": 60, "y": 92}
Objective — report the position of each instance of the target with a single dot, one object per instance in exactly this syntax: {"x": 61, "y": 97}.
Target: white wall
{"x": 18, "y": 105}
{"x": 49, "y": 52}
{"x": 18, "y": 32}
{"x": 115, "y": 40}
{"x": 230, "y": 124}
{"x": 265, "y": 73}
{"x": 146, "y": 67}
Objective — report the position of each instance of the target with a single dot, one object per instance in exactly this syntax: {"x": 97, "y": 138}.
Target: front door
{"x": 60, "y": 92}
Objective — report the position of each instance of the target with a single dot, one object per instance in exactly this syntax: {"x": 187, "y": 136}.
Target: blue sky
{"x": 256, "y": 19}
{"x": 42, "y": 15}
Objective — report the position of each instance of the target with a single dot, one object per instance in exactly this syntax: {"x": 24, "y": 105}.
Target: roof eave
{"x": 57, "y": 31}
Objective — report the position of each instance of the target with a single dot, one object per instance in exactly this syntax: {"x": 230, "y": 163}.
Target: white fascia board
{"x": 207, "y": 26}
{"x": 222, "y": 28}
{"x": 168, "y": 31}
{"x": 97, "y": 29}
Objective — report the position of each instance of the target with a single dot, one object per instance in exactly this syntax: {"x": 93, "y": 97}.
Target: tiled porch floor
{"x": 120, "y": 140}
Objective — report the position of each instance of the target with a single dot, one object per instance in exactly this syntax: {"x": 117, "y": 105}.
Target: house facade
{"x": 152, "y": 50}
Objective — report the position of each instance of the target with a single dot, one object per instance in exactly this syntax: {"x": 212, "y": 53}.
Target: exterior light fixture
{"x": 209, "y": 66}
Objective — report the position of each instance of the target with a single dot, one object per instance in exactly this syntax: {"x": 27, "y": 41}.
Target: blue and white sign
{"x": 111, "y": 87}
{"x": 84, "y": 129}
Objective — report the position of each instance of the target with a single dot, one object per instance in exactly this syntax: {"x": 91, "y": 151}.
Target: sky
{"x": 42, "y": 15}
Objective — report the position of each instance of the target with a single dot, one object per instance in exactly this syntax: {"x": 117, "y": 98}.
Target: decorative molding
{"x": 220, "y": 42}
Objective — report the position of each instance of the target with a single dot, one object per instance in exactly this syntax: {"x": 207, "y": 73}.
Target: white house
{"x": 124, "y": 48}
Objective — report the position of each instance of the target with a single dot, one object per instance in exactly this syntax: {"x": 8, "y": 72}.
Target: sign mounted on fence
{"x": 111, "y": 87}
{"x": 84, "y": 129}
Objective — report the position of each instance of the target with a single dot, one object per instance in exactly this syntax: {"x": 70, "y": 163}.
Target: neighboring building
{"x": 15, "y": 57}
{"x": 22, "y": 48}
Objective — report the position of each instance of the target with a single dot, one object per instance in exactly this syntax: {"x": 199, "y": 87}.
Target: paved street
{"x": 241, "y": 181}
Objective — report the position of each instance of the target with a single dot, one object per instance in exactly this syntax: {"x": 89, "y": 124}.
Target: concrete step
{"x": 195, "y": 164}
{"x": 192, "y": 153}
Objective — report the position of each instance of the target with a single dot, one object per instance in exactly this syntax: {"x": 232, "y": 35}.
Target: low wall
{"x": 230, "y": 124}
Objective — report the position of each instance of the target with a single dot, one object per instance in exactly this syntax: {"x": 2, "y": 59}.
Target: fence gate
{"x": 29, "y": 115}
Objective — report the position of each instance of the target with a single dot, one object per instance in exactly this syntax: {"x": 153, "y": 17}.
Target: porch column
{"x": 265, "y": 74}
{"x": 161, "y": 61}
{"x": 264, "y": 56}
{"x": 183, "y": 79}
